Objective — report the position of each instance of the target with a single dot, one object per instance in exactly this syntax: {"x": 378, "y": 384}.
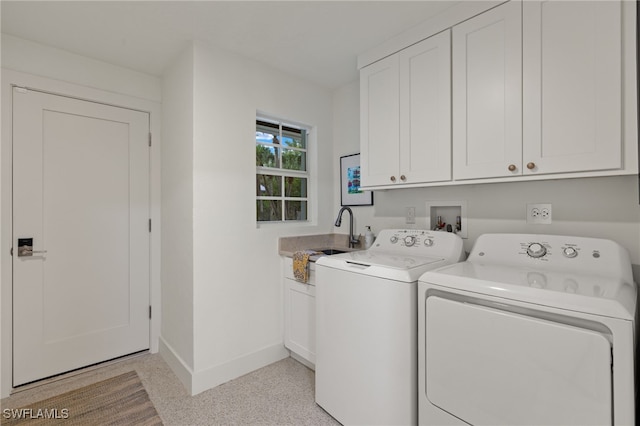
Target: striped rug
{"x": 121, "y": 400}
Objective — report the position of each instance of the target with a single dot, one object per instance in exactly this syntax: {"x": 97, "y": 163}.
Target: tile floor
{"x": 278, "y": 394}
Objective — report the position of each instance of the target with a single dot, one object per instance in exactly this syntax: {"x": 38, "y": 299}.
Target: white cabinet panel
{"x": 300, "y": 319}
{"x": 300, "y": 313}
{"x": 572, "y": 86}
{"x": 406, "y": 115}
{"x": 379, "y": 122}
{"x": 487, "y": 94}
{"x": 425, "y": 110}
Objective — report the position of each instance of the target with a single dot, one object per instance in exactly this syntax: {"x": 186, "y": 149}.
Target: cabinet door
{"x": 487, "y": 94}
{"x": 425, "y": 110}
{"x": 379, "y": 122}
{"x": 572, "y": 86}
{"x": 300, "y": 319}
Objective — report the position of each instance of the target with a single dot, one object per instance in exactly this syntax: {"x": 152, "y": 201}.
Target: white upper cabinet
{"x": 425, "y": 110}
{"x": 487, "y": 94}
{"x": 406, "y": 115}
{"x": 572, "y": 93}
{"x": 380, "y": 122}
{"x": 521, "y": 90}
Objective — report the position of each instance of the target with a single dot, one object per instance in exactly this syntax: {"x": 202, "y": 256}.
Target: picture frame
{"x": 350, "y": 192}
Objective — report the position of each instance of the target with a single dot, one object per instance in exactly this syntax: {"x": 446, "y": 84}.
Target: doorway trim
{"x": 13, "y": 78}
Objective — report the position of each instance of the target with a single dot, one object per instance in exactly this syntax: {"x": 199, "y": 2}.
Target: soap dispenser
{"x": 368, "y": 237}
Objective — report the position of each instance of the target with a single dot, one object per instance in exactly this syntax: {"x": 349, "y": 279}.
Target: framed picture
{"x": 350, "y": 192}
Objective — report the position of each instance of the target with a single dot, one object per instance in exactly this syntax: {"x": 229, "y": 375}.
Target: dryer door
{"x": 492, "y": 367}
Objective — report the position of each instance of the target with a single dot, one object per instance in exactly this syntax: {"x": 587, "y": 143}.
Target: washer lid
{"x": 384, "y": 265}
{"x": 563, "y": 290}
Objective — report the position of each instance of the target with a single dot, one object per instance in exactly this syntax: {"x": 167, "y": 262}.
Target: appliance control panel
{"x": 554, "y": 252}
{"x": 417, "y": 242}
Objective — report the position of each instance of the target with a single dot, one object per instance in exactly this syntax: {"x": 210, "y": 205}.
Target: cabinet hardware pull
{"x": 403, "y": 178}
{"x": 393, "y": 178}
{"x": 512, "y": 167}
{"x": 531, "y": 166}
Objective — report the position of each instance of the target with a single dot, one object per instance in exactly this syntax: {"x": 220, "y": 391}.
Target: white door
{"x": 380, "y": 122}
{"x": 425, "y": 110}
{"x": 572, "y": 88}
{"x": 487, "y": 94}
{"x": 81, "y": 193}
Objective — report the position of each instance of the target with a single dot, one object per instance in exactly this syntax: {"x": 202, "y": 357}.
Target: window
{"x": 282, "y": 176}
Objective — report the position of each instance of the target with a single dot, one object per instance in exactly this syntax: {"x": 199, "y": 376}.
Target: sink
{"x": 329, "y": 252}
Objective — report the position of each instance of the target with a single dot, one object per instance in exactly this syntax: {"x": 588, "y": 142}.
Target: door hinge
{"x": 149, "y": 225}
{"x": 149, "y": 311}
{"x": 149, "y": 138}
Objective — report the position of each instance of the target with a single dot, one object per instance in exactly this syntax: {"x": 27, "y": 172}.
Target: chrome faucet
{"x": 352, "y": 239}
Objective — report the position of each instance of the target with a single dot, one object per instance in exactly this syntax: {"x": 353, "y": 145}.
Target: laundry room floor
{"x": 278, "y": 394}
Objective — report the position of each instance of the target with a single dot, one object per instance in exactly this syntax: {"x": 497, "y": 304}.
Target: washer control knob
{"x": 428, "y": 242}
{"x": 409, "y": 240}
{"x": 569, "y": 252}
{"x": 536, "y": 250}
{"x": 393, "y": 239}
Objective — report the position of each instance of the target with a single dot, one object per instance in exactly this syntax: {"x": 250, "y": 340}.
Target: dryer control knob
{"x": 409, "y": 240}
{"x": 393, "y": 239}
{"x": 570, "y": 252}
{"x": 536, "y": 250}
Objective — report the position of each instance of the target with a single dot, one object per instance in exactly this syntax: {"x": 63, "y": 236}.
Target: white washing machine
{"x": 530, "y": 330}
{"x": 366, "y": 325}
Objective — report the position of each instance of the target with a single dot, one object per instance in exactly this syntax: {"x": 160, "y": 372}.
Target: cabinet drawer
{"x": 288, "y": 270}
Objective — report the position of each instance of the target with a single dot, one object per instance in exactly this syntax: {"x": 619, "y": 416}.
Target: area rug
{"x": 121, "y": 400}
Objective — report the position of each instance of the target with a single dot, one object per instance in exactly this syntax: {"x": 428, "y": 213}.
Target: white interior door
{"x": 81, "y": 193}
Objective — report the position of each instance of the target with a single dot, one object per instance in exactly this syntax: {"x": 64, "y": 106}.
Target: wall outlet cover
{"x": 539, "y": 213}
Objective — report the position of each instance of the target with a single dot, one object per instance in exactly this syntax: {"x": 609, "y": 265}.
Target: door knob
{"x": 25, "y": 248}
{"x": 512, "y": 167}
{"x": 531, "y": 166}
{"x": 393, "y": 178}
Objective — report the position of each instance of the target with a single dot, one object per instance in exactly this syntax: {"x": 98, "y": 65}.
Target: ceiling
{"x": 318, "y": 41}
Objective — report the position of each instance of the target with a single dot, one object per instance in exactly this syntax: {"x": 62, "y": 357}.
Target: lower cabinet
{"x": 300, "y": 315}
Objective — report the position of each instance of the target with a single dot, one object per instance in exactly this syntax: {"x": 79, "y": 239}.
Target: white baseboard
{"x": 303, "y": 361}
{"x": 219, "y": 374}
{"x": 177, "y": 365}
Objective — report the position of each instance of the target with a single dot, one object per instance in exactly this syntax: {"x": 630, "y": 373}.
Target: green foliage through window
{"x": 281, "y": 172}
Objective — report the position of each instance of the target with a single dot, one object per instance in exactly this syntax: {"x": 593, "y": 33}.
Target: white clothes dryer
{"x": 530, "y": 330}
{"x": 366, "y": 325}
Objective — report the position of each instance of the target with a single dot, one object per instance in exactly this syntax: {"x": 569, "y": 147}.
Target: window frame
{"x": 283, "y": 173}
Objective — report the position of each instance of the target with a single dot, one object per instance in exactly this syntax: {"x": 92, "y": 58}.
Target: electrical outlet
{"x": 411, "y": 215}
{"x": 539, "y": 214}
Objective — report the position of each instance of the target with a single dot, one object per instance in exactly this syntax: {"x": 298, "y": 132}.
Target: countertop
{"x": 289, "y": 245}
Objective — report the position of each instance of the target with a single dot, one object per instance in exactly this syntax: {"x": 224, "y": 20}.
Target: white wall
{"x": 177, "y": 217}
{"x": 596, "y": 207}
{"x": 34, "y": 58}
{"x": 33, "y": 65}
{"x": 237, "y": 285}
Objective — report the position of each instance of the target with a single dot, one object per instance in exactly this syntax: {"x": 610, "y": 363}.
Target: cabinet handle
{"x": 403, "y": 178}
{"x": 512, "y": 167}
{"x": 393, "y": 178}
{"x": 531, "y": 166}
